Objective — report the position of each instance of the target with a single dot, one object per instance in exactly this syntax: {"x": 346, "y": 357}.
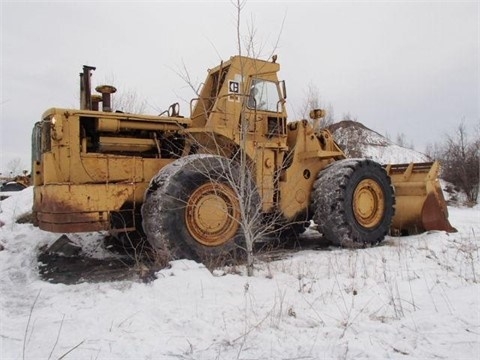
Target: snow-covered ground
{"x": 415, "y": 297}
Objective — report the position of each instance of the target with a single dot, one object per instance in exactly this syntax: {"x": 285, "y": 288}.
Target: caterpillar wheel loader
{"x": 198, "y": 185}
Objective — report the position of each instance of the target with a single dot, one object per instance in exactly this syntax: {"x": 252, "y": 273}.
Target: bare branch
{"x": 28, "y": 324}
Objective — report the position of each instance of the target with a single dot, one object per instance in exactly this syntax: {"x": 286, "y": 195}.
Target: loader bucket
{"x": 420, "y": 205}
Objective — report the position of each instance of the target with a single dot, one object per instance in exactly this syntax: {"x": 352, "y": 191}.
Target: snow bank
{"x": 16, "y": 206}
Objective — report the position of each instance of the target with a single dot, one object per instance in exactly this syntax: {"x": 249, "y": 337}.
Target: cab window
{"x": 264, "y": 95}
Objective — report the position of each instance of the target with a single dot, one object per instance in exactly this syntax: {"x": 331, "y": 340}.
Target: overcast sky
{"x": 398, "y": 67}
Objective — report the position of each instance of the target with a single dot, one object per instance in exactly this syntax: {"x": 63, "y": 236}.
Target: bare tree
{"x": 433, "y": 150}
{"x": 15, "y": 167}
{"x": 401, "y": 140}
{"x": 460, "y": 158}
{"x": 313, "y": 101}
{"x": 349, "y": 116}
{"x": 223, "y": 173}
{"x": 128, "y": 101}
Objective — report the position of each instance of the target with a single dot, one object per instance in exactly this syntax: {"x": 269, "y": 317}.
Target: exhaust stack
{"x": 85, "y": 88}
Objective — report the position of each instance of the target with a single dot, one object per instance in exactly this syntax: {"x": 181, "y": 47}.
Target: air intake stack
{"x": 106, "y": 91}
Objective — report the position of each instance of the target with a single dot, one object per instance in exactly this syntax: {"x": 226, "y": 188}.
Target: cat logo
{"x": 233, "y": 87}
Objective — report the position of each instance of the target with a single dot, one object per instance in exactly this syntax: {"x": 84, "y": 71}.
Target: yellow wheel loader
{"x": 201, "y": 184}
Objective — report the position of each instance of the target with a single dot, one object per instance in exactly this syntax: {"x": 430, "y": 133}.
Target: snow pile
{"x": 359, "y": 141}
{"x": 415, "y": 297}
{"x": 16, "y": 206}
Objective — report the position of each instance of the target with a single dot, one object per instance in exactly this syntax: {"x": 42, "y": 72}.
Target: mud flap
{"x": 420, "y": 205}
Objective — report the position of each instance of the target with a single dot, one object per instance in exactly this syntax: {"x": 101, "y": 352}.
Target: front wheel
{"x": 353, "y": 202}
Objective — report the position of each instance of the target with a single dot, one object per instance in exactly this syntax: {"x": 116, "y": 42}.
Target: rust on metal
{"x": 435, "y": 214}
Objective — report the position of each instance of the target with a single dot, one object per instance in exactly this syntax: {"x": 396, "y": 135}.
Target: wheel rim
{"x": 368, "y": 203}
{"x": 212, "y": 214}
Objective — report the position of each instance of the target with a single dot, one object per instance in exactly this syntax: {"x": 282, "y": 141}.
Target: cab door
{"x": 267, "y": 126}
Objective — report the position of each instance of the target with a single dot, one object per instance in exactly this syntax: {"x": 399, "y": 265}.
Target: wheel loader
{"x": 200, "y": 185}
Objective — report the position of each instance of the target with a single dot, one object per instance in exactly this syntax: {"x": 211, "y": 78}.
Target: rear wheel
{"x": 353, "y": 202}
{"x": 192, "y": 209}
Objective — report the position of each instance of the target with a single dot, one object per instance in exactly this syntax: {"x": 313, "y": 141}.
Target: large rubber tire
{"x": 192, "y": 210}
{"x": 353, "y": 202}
